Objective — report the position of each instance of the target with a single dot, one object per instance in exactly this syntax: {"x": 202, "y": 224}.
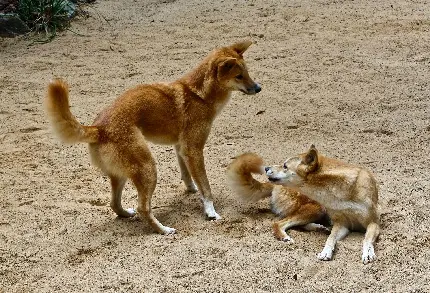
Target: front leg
{"x": 372, "y": 233}
{"x": 338, "y": 232}
{"x": 194, "y": 162}
{"x": 185, "y": 175}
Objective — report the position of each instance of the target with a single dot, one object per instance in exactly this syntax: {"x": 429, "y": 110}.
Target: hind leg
{"x": 145, "y": 185}
{"x": 185, "y": 175}
{"x": 280, "y": 227}
{"x": 131, "y": 158}
{"x": 314, "y": 227}
{"x": 143, "y": 174}
{"x": 372, "y": 233}
{"x": 117, "y": 184}
{"x": 304, "y": 216}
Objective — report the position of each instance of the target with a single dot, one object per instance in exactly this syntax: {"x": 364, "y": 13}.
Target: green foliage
{"x": 46, "y": 16}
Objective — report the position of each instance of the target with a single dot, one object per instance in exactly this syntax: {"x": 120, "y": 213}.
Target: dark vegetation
{"x": 44, "y": 17}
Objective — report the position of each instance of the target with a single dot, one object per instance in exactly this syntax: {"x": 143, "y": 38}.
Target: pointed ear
{"x": 225, "y": 65}
{"x": 309, "y": 163}
{"x": 311, "y": 159}
{"x": 241, "y": 47}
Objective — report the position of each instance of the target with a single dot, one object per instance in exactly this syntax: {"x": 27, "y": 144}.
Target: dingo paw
{"x": 325, "y": 255}
{"x": 368, "y": 255}
{"x": 210, "y": 210}
{"x": 168, "y": 230}
{"x": 213, "y": 216}
{"x": 287, "y": 239}
{"x": 127, "y": 213}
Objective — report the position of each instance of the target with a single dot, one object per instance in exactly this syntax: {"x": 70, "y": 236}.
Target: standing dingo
{"x": 180, "y": 113}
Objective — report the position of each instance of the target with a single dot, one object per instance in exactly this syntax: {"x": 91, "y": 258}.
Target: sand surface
{"x": 352, "y": 77}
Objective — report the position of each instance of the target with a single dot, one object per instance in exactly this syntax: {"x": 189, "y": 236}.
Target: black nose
{"x": 257, "y": 88}
{"x": 266, "y": 169}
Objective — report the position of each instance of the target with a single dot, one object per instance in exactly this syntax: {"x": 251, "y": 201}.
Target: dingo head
{"x": 232, "y": 72}
{"x": 295, "y": 169}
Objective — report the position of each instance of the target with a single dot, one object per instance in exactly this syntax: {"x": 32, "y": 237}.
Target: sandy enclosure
{"x": 352, "y": 77}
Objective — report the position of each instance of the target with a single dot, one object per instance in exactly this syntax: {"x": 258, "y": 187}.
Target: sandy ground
{"x": 350, "y": 76}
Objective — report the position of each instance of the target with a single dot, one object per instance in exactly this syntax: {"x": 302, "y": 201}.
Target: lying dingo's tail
{"x": 63, "y": 123}
{"x": 240, "y": 180}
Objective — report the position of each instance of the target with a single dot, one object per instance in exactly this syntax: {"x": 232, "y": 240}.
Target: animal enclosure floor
{"x": 351, "y": 77}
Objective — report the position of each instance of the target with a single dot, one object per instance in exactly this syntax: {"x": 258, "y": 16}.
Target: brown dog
{"x": 180, "y": 113}
{"x": 348, "y": 192}
{"x": 295, "y": 208}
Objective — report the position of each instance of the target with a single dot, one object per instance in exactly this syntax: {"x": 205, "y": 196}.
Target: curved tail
{"x": 64, "y": 124}
{"x": 240, "y": 180}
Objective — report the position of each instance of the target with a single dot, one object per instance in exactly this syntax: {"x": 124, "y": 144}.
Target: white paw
{"x": 127, "y": 213}
{"x": 132, "y": 212}
{"x": 325, "y": 254}
{"x": 288, "y": 239}
{"x": 168, "y": 230}
{"x": 210, "y": 210}
{"x": 192, "y": 188}
{"x": 368, "y": 255}
{"x": 322, "y": 228}
{"x": 316, "y": 227}
{"x": 213, "y": 216}
{"x": 326, "y": 230}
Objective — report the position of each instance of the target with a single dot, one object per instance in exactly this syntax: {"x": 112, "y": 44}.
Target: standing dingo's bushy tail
{"x": 240, "y": 180}
{"x": 63, "y": 123}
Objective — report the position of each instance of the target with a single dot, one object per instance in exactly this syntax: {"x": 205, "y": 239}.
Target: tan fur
{"x": 178, "y": 113}
{"x": 64, "y": 124}
{"x": 295, "y": 208}
{"x": 348, "y": 192}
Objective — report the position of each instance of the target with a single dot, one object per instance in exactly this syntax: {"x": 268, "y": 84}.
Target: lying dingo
{"x": 296, "y": 209}
{"x": 349, "y": 193}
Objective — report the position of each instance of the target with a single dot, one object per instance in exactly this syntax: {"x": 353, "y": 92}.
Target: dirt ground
{"x": 352, "y": 77}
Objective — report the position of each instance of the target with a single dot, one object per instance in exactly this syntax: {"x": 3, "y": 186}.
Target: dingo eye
{"x": 285, "y": 166}
{"x": 240, "y": 76}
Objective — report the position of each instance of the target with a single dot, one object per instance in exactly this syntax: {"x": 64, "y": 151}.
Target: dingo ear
{"x": 225, "y": 66}
{"x": 241, "y": 47}
{"x": 309, "y": 163}
{"x": 311, "y": 159}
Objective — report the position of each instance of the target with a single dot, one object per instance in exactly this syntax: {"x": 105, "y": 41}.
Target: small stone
{"x": 11, "y": 26}
{"x": 295, "y": 277}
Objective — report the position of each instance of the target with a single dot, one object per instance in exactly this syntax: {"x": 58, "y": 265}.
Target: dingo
{"x": 295, "y": 208}
{"x": 180, "y": 113}
{"x": 349, "y": 193}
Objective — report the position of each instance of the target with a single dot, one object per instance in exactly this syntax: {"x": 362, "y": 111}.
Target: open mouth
{"x": 271, "y": 179}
